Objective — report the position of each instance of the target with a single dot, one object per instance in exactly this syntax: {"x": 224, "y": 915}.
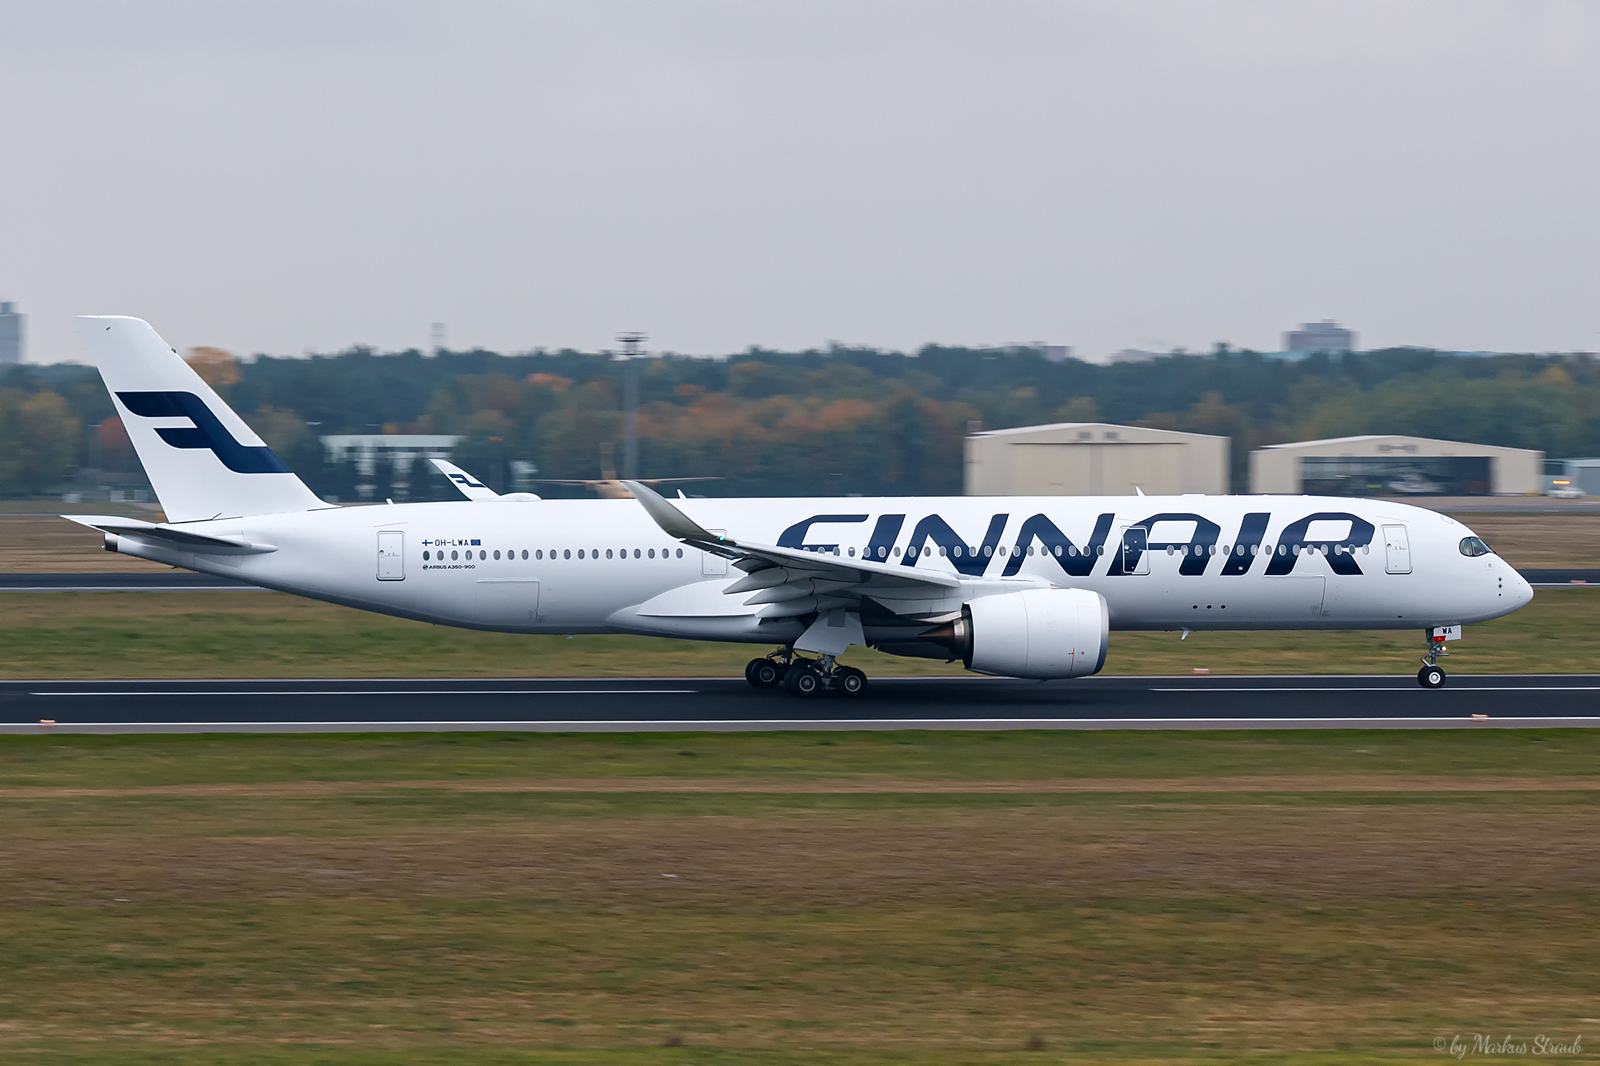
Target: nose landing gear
{"x": 1432, "y": 675}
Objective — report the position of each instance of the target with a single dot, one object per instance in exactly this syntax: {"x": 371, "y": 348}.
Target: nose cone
{"x": 1519, "y": 590}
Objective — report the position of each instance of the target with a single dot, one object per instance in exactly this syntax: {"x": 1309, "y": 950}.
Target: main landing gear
{"x": 806, "y": 678}
{"x": 1432, "y": 674}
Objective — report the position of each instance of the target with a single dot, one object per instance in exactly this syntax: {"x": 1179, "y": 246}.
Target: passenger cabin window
{"x": 1472, "y": 547}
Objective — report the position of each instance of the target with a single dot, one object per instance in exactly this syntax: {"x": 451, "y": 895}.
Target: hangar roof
{"x": 1093, "y": 433}
{"x": 1382, "y": 443}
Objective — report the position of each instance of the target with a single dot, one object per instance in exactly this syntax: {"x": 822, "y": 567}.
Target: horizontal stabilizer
{"x": 170, "y": 537}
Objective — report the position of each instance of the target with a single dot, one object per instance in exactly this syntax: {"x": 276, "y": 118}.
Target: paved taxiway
{"x": 614, "y": 705}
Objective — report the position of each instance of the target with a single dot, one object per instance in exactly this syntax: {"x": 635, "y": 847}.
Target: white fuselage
{"x": 559, "y": 566}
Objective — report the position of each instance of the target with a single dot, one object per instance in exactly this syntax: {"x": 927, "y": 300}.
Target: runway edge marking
{"x": 803, "y": 725}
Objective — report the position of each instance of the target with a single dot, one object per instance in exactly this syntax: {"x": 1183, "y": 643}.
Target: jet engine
{"x": 1040, "y": 633}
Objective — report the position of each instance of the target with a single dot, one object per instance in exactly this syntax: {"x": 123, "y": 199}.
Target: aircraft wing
{"x": 788, "y": 582}
{"x": 674, "y": 480}
{"x": 470, "y": 487}
{"x": 594, "y": 481}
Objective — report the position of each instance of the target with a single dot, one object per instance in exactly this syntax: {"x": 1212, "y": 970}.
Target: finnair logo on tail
{"x": 207, "y": 431}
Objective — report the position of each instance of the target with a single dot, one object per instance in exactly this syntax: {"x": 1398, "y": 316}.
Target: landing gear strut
{"x": 806, "y": 678}
{"x": 1432, "y": 674}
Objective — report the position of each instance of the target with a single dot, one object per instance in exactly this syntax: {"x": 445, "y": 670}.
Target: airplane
{"x": 610, "y": 487}
{"x": 1413, "y": 483}
{"x": 1013, "y": 586}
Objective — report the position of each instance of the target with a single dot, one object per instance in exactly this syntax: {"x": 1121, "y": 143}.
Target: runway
{"x": 723, "y": 704}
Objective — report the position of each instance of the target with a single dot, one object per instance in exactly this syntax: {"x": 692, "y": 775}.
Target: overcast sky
{"x": 290, "y": 176}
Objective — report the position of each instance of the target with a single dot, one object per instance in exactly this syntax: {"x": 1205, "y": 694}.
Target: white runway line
{"x": 389, "y": 692}
{"x": 810, "y": 725}
{"x": 1385, "y": 688}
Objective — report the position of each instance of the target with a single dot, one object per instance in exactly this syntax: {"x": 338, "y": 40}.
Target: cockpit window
{"x": 1472, "y": 547}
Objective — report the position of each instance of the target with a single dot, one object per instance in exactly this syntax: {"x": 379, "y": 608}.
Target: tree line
{"x": 834, "y": 421}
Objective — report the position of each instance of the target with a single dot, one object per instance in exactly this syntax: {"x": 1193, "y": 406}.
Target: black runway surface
{"x": 620, "y": 705}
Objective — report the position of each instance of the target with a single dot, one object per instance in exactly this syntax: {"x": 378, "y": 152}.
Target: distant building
{"x": 10, "y": 334}
{"x": 1094, "y": 459}
{"x": 1565, "y": 475}
{"x": 366, "y": 449}
{"x": 1324, "y": 336}
{"x": 1054, "y": 353}
{"x": 1134, "y": 355}
{"x": 397, "y": 450}
{"x": 522, "y": 472}
{"x": 1383, "y": 465}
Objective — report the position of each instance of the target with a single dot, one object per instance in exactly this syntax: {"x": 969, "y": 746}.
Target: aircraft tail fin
{"x": 470, "y": 487}
{"x": 201, "y": 458}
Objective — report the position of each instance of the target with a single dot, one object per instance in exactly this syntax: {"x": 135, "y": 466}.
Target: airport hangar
{"x": 1097, "y": 458}
{"x": 1094, "y": 459}
{"x": 1379, "y": 465}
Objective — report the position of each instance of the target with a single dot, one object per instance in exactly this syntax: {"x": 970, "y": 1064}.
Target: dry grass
{"x": 1540, "y": 542}
{"x": 33, "y": 544}
{"x": 1278, "y": 916}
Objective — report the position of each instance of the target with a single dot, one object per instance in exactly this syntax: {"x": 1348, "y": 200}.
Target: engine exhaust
{"x": 956, "y": 635}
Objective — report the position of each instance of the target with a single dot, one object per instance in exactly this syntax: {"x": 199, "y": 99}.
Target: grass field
{"x": 882, "y": 898}
{"x": 263, "y": 634}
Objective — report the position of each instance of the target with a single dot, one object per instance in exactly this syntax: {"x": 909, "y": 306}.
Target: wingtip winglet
{"x": 671, "y": 520}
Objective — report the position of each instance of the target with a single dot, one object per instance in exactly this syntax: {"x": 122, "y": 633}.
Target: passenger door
{"x": 1134, "y": 550}
{"x": 1396, "y": 550}
{"x": 391, "y": 556}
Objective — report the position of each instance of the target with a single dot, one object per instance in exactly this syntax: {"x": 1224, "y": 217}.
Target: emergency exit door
{"x": 1396, "y": 550}
{"x": 391, "y": 556}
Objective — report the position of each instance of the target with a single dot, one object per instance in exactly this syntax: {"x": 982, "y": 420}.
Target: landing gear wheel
{"x": 764, "y": 673}
{"x": 851, "y": 682}
{"x": 1430, "y": 677}
{"x": 803, "y": 680}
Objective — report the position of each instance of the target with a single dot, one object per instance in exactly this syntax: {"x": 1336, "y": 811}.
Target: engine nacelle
{"x": 1038, "y": 633}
